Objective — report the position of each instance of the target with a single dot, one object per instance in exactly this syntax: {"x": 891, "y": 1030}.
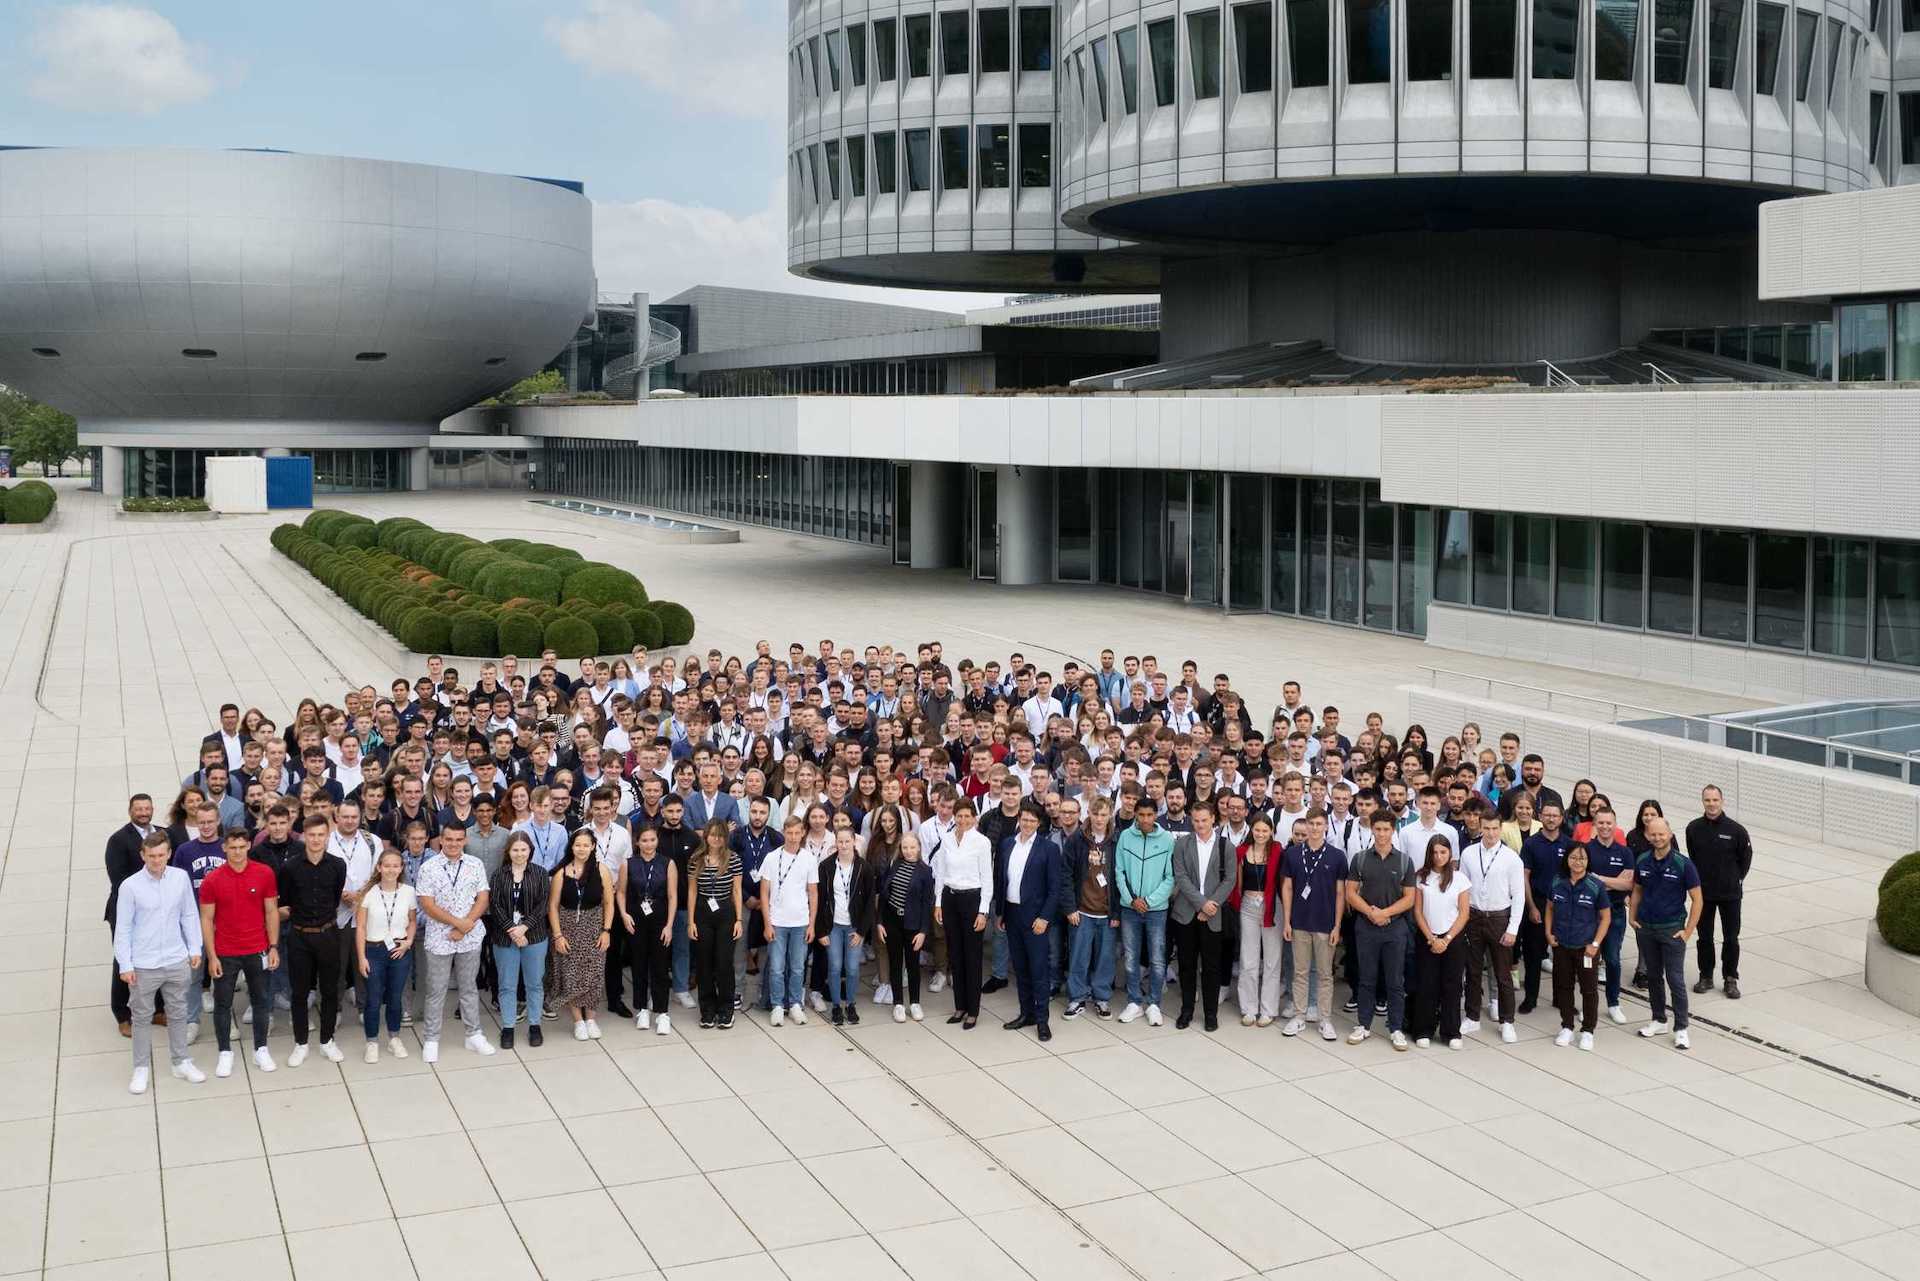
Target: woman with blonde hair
{"x": 714, "y": 921}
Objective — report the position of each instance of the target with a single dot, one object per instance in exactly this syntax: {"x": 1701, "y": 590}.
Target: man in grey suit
{"x": 709, "y": 802}
{"x": 1204, "y": 870}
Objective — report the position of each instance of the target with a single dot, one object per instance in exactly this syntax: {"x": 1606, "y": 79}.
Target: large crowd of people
{"x": 819, "y": 831}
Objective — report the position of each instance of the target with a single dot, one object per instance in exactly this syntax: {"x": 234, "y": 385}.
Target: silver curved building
{"x": 1444, "y": 182}
{"x": 178, "y": 301}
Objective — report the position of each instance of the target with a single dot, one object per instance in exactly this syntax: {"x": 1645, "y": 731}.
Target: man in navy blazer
{"x": 710, "y": 801}
{"x": 1030, "y": 888}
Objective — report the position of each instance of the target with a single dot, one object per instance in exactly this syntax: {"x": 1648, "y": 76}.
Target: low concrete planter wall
{"x": 1892, "y": 976}
{"x": 703, "y": 537}
{"x": 171, "y": 518}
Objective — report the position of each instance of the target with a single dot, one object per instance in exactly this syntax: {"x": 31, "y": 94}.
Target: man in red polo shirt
{"x": 240, "y": 918}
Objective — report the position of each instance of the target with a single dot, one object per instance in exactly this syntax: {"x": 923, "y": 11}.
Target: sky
{"x": 671, "y": 112}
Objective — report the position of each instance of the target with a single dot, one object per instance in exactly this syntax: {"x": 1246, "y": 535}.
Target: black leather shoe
{"x": 1733, "y": 989}
{"x": 1184, "y": 1021}
{"x": 618, "y": 1009}
{"x": 1704, "y": 983}
{"x": 993, "y": 985}
{"x": 955, "y": 1017}
{"x": 534, "y": 1038}
{"x": 1528, "y": 1007}
{"x": 506, "y": 1038}
{"x": 1212, "y": 1025}
{"x": 1014, "y": 1025}
{"x": 1046, "y": 1033}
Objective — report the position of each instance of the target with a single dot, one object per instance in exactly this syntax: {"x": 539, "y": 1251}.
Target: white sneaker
{"x": 1153, "y": 1016}
{"x": 1617, "y": 1014}
{"x": 938, "y": 983}
{"x": 1131, "y": 1013}
{"x": 662, "y": 1026}
{"x": 818, "y": 1001}
{"x": 1358, "y": 1035}
{"x": 138, "y": 1085}
{"x": 1456, "y": 1044}
{"x": 430, "y": 1051}
{"x": 593, "y": 1030}
{"x": 778, "y": 1016}
{"x": 1468, "y": 1026}
{"x": 1288, "y": 1009}
{"x": 685, "y": 998}
{"x": 1565, "y": 1037}
{"x": 223, "y": 1064}
{"x": 1586, "y": 1041}
{"x": 479, "y": 1044}
{"x": 372, "y": 1054}
{"x": 798, "y": 1013}
{"x": 331, "y": 1052}
{"x": 883, "y": 995}
{"x": 1425, "y": 1043}
{"x": 1681, "y": 1040}
{"x": 1326, "y": 1031}
{"x": 263, "y": 1059}
{"x": 297, "y": 1057}
{"x": 1654, "y": 1029}
{"x": 899, "y": 1014}
{"x": 184, "y": 1070}
{"x": 1293, "y": 1026}
{"x": 580, "y": 1030}
{"x": 643, "y": 1020}
{"x": 1507, "y": 1033}
{"x": 918, "y": 1015}
{"x": 396, "y": 1047}
{"x": 1398, "y": 1040}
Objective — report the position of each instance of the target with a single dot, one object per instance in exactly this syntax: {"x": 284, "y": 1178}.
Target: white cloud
{"x": 661, "y": 247}
{"x": 716, "y": 55}
{"x": 113, "y": 58}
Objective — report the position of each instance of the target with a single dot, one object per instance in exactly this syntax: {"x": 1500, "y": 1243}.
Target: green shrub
{"x": 474, "y": 634}
{"x": 466, "y": 567}
{"x": 578, "y": 608}
{"x": 548, "y": 554}
{"x": 676, "y": 622}
{"x": 317, "y": 519}
{"x": 645, "y": 626}
{"x": 1899, "y": 915}
{"x": 412, "y": 543}
{"x": 357, "y": 535}
{"x": 442, "y": 549}
{"x": 521, "y": 633}
{"x": 425, "y": 630}
{"x": 604, "y": 585}
{"x": 165, "y": 505}
{"x": 511, "y": 546}
{"x": 387, "y": 532}
{"x": 507, "y": 578}
{"x": 571, "y": 637}
{"x": 41, "y": 485}
{"x": 611, "y": 631}
{"x": 1904, "y": 866}
{"x": 28, "y": 505}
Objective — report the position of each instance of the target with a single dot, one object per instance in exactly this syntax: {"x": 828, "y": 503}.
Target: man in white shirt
{"x": 963, "y": 902}
{"x": 789, "y": 879}
{"x": 1292, "y": 807}
{"x": 229, "y": 734}
{"x": 1413, "y": 837}
{"x": 1499, "y": 898}
{"x": 1204, "y": 870}
{"x": 1345, "y": 830}
{"x": 1040, "y": 708}
{"x": 359, "y": 849}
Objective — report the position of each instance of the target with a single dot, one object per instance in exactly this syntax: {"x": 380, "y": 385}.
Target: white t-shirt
{"x": 784, "y": 878}
{"x": 387, "y": 913}
{"x": 842, "y": 892}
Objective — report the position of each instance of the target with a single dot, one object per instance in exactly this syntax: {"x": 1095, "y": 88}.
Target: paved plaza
{"x": 887, "y": 1150}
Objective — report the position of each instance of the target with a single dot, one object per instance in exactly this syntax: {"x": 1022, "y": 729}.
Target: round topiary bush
{"x": 1903, "y": 867}
{"x": 466, "y": 567}
{"x": 676, "y": 622}
{"x": 357, "y": 535}
{"x": 604, "y": 585}
{"x": 613, "y": 634}
{"x": 28, "y": 505}
{"x": 387, "y": 532}
{"x": 579, "y": 608}
{"x": 506, "y": 579}
{"x": 645, "y": 626}
{"x": 570, "y": 637}
{"x": 520, "y": 633}
{"x": 425, "y": 630}
{"x": 1899, "y": 915}
{"x": 412, "y": 543}
{"x": 475, "y": 634}
{"x": 548, "y": 554}
{"x": 511, "y": 546}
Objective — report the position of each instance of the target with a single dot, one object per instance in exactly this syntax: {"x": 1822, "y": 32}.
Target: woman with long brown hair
{"x": 580, "y": 916}
{"x": 1440, "y": 965}
{"x": 714, "y": 922}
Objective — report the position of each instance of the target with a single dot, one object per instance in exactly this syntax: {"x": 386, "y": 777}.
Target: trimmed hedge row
{"x": 437, "y": 592}
{"x": 27, "y": 503}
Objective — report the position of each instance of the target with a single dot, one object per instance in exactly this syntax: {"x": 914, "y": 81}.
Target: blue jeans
{"x": 843, "y": 967}
{"x": 786, "y": 964}
{"x": 997, "y": 946}
{"x": 1666, "y": 958}
{"x": 1610, "y": 952}
{"x": 1090, "y": 963}
{"x": 1153, "y": 924}
{"x": 1382, "y": 951}
{"x": 386, "y": 986}
{"x": 515, "y": 962}
{"x": 682, "y": 953}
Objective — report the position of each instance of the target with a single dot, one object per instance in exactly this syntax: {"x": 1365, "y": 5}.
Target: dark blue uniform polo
{"x": 1540, "y": 855}
{"x": 1609, "y": 861}
{"x": 1316, "y": 877}
{"x": 1576, "y": 910}
{"x": 1664, "y": 883}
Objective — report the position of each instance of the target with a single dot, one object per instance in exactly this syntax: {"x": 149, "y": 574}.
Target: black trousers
{"x": 712, "y": 960}
{"x": 1198, "y": 947}
{"x": 651, "y": 960}
{"x": 259, "y": 995}
{"x": 1533, "y": 951}
{"x": 959, "y": 908}
{"x": 1571, "y": 969}
{"x": 315, "y": 959}
{"x": 903, "y": 965}
{"x": 1436, "y": 1001}
{"x": 618, "y": 948}
{"x": 1728, "y": 910}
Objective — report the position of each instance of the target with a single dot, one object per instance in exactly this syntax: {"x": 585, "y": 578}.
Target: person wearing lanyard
{"x": 384, "y": 927}
{"x": 1143, "y": 875}
{"x": 612, "y": 845}
{"x": 1260, "y": 942}
{"x": 935, "y": 834}
{"x": 549, "y": 838}
{"x": 649, "y": 897}
{"x": 1612, "y": 861}
{"x": 752, "y": 841}
{"x": 845, "y": 918}
{"x": 580, "y": 917}
{"x": 714, "y": 926}
{"x": 1499, "y": 901}
{"x": 1379, "y": 891}
{"x": 1311, "y": 903}
{"x": 517, "y": 920}
{"x": 453, "y": 896}
{"x": 789, "y": 890}
{"x": 1440, "y": 914}
{"x": 1577, "y": 912}
{"x": 311, "y": 889}
{"x": 963, "y": 903}
{"x": 1543, "y": 858}
{"x": 1093, "y": 922}
{"x": 905, "y": 921}
{"x": 1664, "y": 909}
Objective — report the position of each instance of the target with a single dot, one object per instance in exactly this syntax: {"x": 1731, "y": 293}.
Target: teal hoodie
{"x": 1143, "y": 867}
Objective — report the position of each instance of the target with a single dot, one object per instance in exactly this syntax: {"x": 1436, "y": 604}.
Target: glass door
{"x": 986, "y": 524}
{"x": 1244, "y": 534}
{"x": 902, "y": 514}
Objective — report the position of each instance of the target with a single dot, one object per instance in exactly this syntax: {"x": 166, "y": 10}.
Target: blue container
{"x": 289, "y": 483}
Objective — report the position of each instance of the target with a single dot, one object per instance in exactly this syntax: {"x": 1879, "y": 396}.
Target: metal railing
{"x": 622, "y": 374}
{"x": 1714, "y": 731}
{"x": 1659, "y": 375}
{"x": 1558, "y": 377}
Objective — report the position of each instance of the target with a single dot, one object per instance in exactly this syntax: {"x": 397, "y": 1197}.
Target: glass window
{"x": 953, "y": 158}
{"x": 1429, "y": 39}
{"x": 813, "y": 60}
{"x": 1162, "y": 42}
{"x": 919, "y": 160}
{"x": 1283, "y": 566}
{"x": 1075, "y": 523}
{"x": 1910, "y": 15}
{"x": 1532, "y": 563}
{"x": 833, "y": 63}
{"x": 1896, "y": 603}
{"x": 1723, "y": 584}
{"x": 1415, "y": 568}
{"x": 996, "y": 42}
{"x": 857, "y": 53}
{"x": 1621, "y": 571}
{"x": 1556, "y": 34}
{"x": 1369, "y": 41}
{"x": 1876, "y": 116}
{"x": 857, "y": 167}
{"x": 1906, "y": 340}
{"x": 1840, "y": 597}
{"x": 1036, "y": 38}
{"x": 1203, "y": 51}
{"x": 1780, "y": 591}
{"x": 1253, "y": 46}
{"x": 1036, "y": 156}
{"x": 886, "y": 170}
{"x": 832, "y": 150}
{"x": 1376, "y": 521}
{"x": 812, "y": 155}
{"x": 919, "y": 31}
{"x": 1733, "y": 342}
{"x": 1616, "y": 32}
{"x": 1307, "y": 43}
{"x": 1204, "y": 509}
{"x": 1490, "y": 559}
{"x": 1763, "y": 346}
{"x": 955, "y": 43}
{"x": 1836, "y": 37}
{"x": 1492, "y": 28}
{"x": 1314, "y": 601}
{"x": 1247, "y": 542}
{"x": 1574, "y": 577}
{"x": 1450, "y": 563}
{"x": 1346, "y": 551}
{"x": 1806, "y": 31}
{"x": 1723, "y": 41}
{"x": 1100, "y": 75}
{"x": 886, "y": 49}
{"x": 1126, "y": 44}
{"x": 1672, "y": 40}
{"x": 1863, "y": 342}
{"x": 995, "y": 156}
{"x": 1910, "y": 127}
{"x": 1773, "y": 21}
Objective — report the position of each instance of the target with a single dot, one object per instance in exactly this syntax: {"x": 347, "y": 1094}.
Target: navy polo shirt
{"x": 1609, "y": 861}
{"x": 1316, "y": 881}
{"x": 1664, "y": 883}
{"x": 1541, "y": 856}
{"x": 1576, "y": 909}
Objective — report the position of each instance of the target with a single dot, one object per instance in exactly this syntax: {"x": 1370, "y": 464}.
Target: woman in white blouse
{"x": 383, "y": 931}
{"x": 1440, "y": 964}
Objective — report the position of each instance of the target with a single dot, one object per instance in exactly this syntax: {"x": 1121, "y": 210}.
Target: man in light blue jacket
{"x": 1143, "y": 868}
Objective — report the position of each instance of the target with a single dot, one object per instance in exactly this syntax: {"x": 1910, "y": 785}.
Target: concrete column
{"x": 1026, "y": 525}
{"x": 113, "y": 471}
{"x": 418, "y": 473}
{"x": 935, "y": 517}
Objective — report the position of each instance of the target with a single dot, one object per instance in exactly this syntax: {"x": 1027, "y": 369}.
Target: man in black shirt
{"x": 310, "y": 890}
{"x": 678, "y": 842}
{"x": 1722, "y": 852}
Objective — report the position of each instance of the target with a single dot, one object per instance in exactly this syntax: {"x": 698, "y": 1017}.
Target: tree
{"x": 545, "y": 383}
{"x": 42, "y": 434}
